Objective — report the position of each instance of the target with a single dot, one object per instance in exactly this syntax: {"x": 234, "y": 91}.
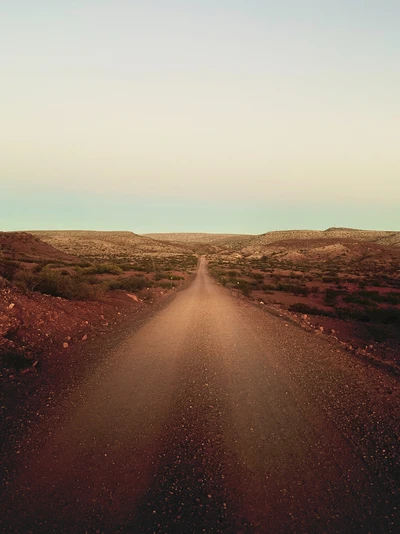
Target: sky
{"x": 238, "y": 116}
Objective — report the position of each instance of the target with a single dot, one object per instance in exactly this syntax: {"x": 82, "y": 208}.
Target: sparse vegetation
{"x": 332, "y": 276}
{"x": 300, "y": 307}
{"x": 103, "y": 268}
{"x": 132, "y": 284}
{"x": 8, "y": 269}
{"x": 51, "y": 272}
{"x": 56, "y": 284}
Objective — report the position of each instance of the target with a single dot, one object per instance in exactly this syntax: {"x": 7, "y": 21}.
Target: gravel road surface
{"x": 215, "y": 416}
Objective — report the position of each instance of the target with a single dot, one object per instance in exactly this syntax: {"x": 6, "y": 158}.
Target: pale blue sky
{"x": 225, "y": 116}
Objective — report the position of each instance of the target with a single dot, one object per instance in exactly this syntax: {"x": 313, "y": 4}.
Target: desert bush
{"x": 83, "y": 264}
{"x": 166, "y": 285}
{"x": 160, "y": 275}
{"x": 133, "y": 283}
{"x": 391, "y": 298}
{"x": 54, "y": 283}
{"x": 331, "y": 279}
{"x": 385, "y": 315}
{"x": 300, "y": 307}
{"x": 38, "y": 268}
{"x": 294, "y": 288}
{"x": 352, "y": 314}
{"x": 331, "y": 296}
{"x": 314, "y": 289}
{"x": 244, "y": 287}
{"x": 357, "y": 298}
{"x": 26, "y": 280}
{"x": 378, "y": 333}
{"x": 268, "y": 287}
{"x": 103, "y": 268}
{"x": 126, "y": 266}
{"x": 296, "y": 276}
{"x": 389, "y": 316}
{"x": 140, "y": 268}
{"x": 8, "y": 269}
{"x": 15, "y": 359}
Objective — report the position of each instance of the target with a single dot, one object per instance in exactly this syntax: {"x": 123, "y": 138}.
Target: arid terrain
{"x": 204, "y": 238}
{"x": 341, "y": 282}
{"x": 209, "y": 415}
{"x": 254, "y": 244}
{"x": 141, "y": 394}
{"x": 108, "y": 245}
{"x": 51, "y": 298}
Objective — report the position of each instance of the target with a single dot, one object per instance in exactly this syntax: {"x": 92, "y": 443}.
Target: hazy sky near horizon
{"x": 225, "y": 116}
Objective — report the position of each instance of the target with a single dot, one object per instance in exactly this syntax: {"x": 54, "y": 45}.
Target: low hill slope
{"x": 205, "y": 243}
{"x": 23, "y": 246}
{"x": 198, "y": 237}
{"x": 103, "y": 245}
{"x": 379, "y": 237}
{"x": 335, "y": 244}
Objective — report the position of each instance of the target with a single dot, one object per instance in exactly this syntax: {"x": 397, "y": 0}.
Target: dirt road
{"x": 215, "y": 417}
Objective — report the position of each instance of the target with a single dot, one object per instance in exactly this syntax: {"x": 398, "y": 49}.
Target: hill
{"x": 106, "y": 245}
{"x": 23, "y": 246}
{"x": 202, "y": 238}
{"x": 331, "y": 234}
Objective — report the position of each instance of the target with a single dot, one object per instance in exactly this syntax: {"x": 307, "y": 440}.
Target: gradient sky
{"x": 223, "y": 115}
